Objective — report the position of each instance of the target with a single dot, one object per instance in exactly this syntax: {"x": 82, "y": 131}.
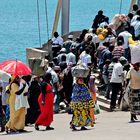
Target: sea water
{"x": 19, "y": 22}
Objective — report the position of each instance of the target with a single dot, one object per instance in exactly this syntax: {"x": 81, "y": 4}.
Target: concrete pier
{"x": 109, "y": 126}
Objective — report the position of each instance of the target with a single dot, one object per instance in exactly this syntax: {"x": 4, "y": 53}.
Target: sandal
{"x": 73, "y": 127}
{"x": 36, "y": 127}
{"x": 13, "y": 131}
{"x": 83, "y": 128}
{"x": 135, "y": 117}
{"x": 22, "y": 130}
{"x": 49, "y": 128}
{"x": 6, "y": 129}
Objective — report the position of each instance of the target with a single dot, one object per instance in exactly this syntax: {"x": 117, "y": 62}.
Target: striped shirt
{"x": 110, "y": 70}
{"x": 118, "y": 52}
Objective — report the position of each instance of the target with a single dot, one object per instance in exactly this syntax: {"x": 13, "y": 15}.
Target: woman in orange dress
{"x": 46, "y": 99}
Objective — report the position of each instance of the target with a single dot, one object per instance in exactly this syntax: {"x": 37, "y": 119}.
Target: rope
{"x": 38, "y": 23}
{"x": 120, "y": 10}
{"x": 46, "y": 10}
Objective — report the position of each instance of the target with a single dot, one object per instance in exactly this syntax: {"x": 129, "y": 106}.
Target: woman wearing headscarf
{"x": 81, "y": 104}
{"x": 45, "y": 100}
{"x": 68, "y": 82}
{"x": 18, "y": 104}
{"x": 34, "y": 91}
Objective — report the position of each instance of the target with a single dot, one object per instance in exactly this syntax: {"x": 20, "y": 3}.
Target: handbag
{"x": 97, "y": 109}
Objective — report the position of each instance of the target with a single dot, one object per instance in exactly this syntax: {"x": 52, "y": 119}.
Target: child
{"x": 92, "y": 88}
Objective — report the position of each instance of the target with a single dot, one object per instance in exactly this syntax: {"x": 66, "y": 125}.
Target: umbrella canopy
{"x": 15, "y": 67}
{"x": 4, "y": 76}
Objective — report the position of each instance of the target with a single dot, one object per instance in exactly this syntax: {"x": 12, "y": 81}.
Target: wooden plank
{"x": 57, "y": 14}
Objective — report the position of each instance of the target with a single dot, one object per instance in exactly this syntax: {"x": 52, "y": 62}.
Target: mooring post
{"x": 65, "y": 17}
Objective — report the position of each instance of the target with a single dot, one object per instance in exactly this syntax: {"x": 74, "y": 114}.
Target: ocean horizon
{"x": 19, "y": 22}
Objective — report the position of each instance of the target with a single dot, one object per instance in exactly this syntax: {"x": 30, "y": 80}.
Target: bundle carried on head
{"x": 102, "y": 33}
{"x": 134, "y": 50}
{"x": 80, "y": 70}
{"x": 119, "y": 22}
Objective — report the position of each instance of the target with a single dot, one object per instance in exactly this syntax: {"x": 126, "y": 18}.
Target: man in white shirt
{"x": 71, "y": 57}
{"x": 135, "y": 17}
{"x": 104, "y": 23}
{"x": 61, "y": 53}
{"x": 85, "y": 57}
{"x": 137, "y": 28}
{"x": 126, "y": 35}
{"x": 116, "y": 83}
{"x": 135, "y": 8}
{"x": 57, "y": 43}
{"x": 54, "y": 75}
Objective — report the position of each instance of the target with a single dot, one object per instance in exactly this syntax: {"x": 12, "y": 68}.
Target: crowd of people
{"x": 103, "y": 49}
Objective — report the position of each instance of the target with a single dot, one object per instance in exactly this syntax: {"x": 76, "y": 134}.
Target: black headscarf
{"x": 46, "y": 79}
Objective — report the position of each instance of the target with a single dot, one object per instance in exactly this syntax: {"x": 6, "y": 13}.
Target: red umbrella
{"x": 15, "y": 67}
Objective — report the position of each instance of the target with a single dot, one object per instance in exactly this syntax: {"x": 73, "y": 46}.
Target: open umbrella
{"x": 15, "y": 67}
{"x": 4, "y": 76}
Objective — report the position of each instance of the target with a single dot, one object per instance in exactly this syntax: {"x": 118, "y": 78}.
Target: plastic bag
{"x": 97, "y": 109}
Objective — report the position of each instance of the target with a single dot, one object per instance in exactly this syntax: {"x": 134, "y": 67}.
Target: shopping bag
{"x": 97, "y": 109}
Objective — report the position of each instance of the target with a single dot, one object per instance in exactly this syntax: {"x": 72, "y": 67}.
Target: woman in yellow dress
{"x": 17, "y": 117}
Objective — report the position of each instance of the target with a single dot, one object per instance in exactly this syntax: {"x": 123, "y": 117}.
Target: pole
{"x": 120, "y": 7}
{"x": 57, "y": 14}
{"x": 65, "y": 17}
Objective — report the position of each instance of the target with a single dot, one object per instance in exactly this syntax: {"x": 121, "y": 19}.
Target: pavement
{"x": 109, "y": 126}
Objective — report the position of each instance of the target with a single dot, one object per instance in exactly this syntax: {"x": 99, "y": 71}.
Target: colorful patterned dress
{"x": 81, "y": 104}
